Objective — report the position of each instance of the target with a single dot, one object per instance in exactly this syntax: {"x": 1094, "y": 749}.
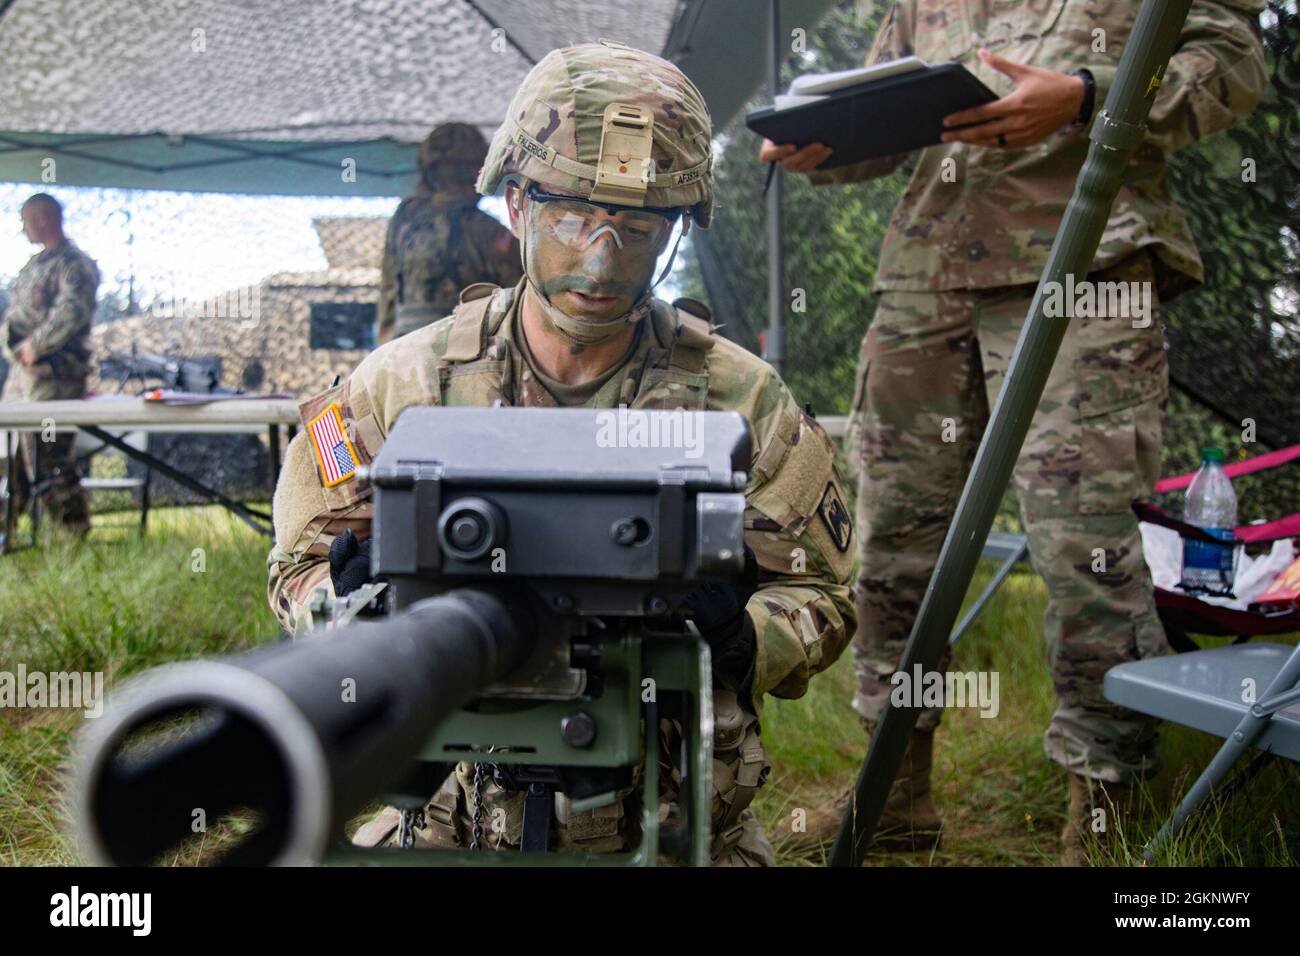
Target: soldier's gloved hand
{"x": 350, "y": 568}
{"x": 718, "y": 611}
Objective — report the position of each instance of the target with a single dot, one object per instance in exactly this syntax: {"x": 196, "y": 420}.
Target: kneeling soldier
{"x": 603, "y": 151}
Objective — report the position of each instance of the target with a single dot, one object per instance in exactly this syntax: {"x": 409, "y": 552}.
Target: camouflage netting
{"x": 277, "y": 294}
{"x": 280, "y": 291}
{"x": 251, "y": 97}
{"x": 1235, "y": 343}
{"x": 321, "y": 69}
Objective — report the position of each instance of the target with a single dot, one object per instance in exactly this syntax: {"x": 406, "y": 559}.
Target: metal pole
{"x": 247, "y": 515}
{"x": 1003, "y": 570}
{"x": 11, "y": 474}
{"x": 774, "y": 340}
{"x": 1116, "y": 134}
{"x": 273, "y": 446}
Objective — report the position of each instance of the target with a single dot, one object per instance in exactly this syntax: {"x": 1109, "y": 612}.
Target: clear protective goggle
{"x": 579, "y": 223}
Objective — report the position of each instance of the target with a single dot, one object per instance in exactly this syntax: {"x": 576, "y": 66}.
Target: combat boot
{"x": 1085, "y": 828}
{"x": 909, "y": 821}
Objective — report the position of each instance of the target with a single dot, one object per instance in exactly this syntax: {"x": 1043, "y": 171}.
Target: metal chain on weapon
{"x": 411, "y": 821}
{"x": 481, "y": 773}
{"x": 476, "y": 811}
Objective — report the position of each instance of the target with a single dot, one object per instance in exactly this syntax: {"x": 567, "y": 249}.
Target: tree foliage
{"x": 1234, "y": 343}
{"x": 832, "y": 239}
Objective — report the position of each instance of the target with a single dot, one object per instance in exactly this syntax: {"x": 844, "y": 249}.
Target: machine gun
{"x": 538, "y": 562}
{"x": 185, "y": 375}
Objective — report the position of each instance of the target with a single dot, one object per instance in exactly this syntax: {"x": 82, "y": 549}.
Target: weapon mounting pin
{"x": 578, "y": 729}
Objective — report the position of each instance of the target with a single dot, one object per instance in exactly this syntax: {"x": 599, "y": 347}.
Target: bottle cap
{"x": 1212, "y": 454}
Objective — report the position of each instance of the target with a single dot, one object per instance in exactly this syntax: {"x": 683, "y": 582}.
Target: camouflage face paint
{"x": 591, "y": 263}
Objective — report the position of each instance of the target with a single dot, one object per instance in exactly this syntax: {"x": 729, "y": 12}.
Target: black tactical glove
{"x": 350, "y": 569}
{"x": 718, "y": 611}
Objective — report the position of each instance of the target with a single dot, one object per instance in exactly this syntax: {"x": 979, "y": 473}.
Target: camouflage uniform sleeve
{"x": 1215, "y": 77}
{"x": 308, "y": 515}
{"x": 893, "y": 41}
{"x": 387, "y": 320}
{"x": 72, "y": 311}
{"x": 799, "y": 526}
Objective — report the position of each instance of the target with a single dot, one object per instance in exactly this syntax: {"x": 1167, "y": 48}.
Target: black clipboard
{"x": 896, "y": 114}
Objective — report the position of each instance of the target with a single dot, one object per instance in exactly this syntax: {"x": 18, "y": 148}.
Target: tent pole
{"x": 1116, "y": 134}
{"x": 774, "y": 340}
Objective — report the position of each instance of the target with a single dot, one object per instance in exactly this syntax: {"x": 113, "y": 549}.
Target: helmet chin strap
{"x": 672, "y": 256}
{"x": 583, "y": 332}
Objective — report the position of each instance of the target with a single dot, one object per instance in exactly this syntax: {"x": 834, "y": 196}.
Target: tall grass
{"x": 117, "y": 603}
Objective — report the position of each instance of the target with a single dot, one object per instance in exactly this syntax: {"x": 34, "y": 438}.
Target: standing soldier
{"x": 583, "y": 329}
{"x": 438, "y": 241}
{"x": 46, "y": 338}
{"x": 957, "y": 272}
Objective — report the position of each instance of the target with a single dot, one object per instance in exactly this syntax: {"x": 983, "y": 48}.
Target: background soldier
{"x": 438, "y": 241}
{"x": 45, "y": 335}
{"x": 583, "y": 329}
{"x": 958, "y": 268}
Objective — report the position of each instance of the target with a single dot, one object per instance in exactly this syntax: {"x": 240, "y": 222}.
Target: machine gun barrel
{"x": 303, "y": 733}
{"x": 185, "y": 374}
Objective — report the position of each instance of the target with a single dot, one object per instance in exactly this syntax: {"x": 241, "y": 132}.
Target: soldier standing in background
{"x": 438, "y": 240}
{"x": 45, "y": 335}
{"x": 584, "y": 330}
{"x": 958, "y": 269}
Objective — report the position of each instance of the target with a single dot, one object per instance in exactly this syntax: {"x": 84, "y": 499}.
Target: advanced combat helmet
{"x": 611, "y": 124}
{"x": 451, "y": 153}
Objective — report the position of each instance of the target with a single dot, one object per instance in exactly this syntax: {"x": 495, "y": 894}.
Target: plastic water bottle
{"x": 1210, "y": 505}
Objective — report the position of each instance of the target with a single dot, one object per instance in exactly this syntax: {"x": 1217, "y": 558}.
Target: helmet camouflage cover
{"x": 553, "y": 130}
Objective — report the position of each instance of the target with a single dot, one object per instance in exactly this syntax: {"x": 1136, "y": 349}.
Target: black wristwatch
{"x": 1089, "y": 97}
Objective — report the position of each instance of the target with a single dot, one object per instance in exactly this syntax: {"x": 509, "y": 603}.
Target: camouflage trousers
{"x": 466, "y": 810}
{"x": 51, "y": 465}
{"x": 930, "y": 370}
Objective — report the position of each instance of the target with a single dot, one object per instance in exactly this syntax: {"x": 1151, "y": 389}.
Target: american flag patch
{"x": 334, "y": 453}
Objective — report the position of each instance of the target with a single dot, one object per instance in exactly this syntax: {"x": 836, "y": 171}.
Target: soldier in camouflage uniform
{"x": 45, "y": 335}
{"x": 438, "y": 240}
{"x": 957, "y": 271}
{"x": 584, "y": 330}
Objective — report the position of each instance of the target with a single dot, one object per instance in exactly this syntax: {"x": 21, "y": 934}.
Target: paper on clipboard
{"x": 812, "y": 87}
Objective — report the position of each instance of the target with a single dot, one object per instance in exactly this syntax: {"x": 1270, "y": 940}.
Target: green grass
{"x": 121, "y": 603}
{"x": 1002, "y": 801}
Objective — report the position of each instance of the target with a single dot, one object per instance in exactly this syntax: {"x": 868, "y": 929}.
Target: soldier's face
{"x": 35, "y": 223}
{"x": 590, "y": 262}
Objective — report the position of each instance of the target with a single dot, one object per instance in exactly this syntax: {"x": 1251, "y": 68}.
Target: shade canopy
{"x": 315, "y": 97}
